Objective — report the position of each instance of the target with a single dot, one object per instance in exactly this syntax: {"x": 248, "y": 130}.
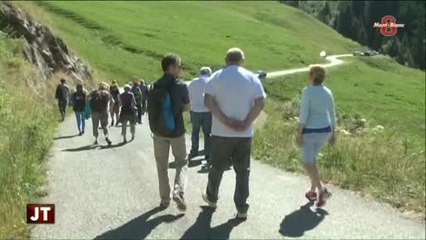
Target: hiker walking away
{"x": 62, "y": 94}
{"x": 235, "y": 97}
{"x": 127, "y": 114}
{"x": 144, "y": 89}
{"x": 138, "y": 96}
{"x": 99, "y": 101}
{"x": 167, "y": 100}
{"x": 115, "y": 108}
{"x": 201, "y": 118}
{"x": 317, "y": 126}
{"x": 78, "y": 100}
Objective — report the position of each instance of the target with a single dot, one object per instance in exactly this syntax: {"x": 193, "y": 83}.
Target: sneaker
{"x": 164, "y": 204}
{"x": 80, "y": 133}
{"x": 180, "y": 202}
{"x": 311, "y": 196}
{"x": 108, "y": 141}
{"x": 241, "y": 216}
{"x": 324, "y": 195}
{"x": 209, "y": 203}
{"x": 192, "y": 155}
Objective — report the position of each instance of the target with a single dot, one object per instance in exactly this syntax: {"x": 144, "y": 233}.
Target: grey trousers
{"x": 102, "y": 118}
{"x": 161, "y": 151}
{"x": 225, "y": 152}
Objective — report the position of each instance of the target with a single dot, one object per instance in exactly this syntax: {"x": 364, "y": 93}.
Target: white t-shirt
{"x": 196, "y": 94}
{"x": 234, "y": 89}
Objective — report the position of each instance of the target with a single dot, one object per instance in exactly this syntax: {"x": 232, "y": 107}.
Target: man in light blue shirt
{"x": 201, "y": 118}
{"x": 235, "y": 96}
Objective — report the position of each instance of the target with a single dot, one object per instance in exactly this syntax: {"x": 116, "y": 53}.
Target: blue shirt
{"x": 317, "y": 109}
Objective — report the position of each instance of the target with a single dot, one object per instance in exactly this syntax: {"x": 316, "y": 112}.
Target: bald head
{"x": 234, "y": 56}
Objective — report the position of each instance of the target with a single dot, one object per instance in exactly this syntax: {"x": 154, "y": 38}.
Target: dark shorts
{"x": 62, "y": 104}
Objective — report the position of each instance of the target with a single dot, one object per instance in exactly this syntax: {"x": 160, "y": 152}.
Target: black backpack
{"x": 138, "y": 94}
{"x": 160, "y": 111}
{"x": 58, "y": 93}
{"x": 99, "y": 101}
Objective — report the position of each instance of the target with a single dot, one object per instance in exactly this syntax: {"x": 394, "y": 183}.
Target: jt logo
{"x": 40, "y": 213}
{"x": 388, "y": 26}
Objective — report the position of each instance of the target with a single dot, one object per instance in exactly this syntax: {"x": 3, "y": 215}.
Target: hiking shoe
{"x": 108, "y": 141}
{"x": 209, "y": 203}
{"x": 164, "y": 204}
{"x": 180, "y": 202}
{"x": 311, "y": 196}
{"x": 241, "y": 216}
{"x": 323, "y": 196}
{"x": 192, "y": 155}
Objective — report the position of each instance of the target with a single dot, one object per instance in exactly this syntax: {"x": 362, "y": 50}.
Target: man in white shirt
{"x": 235, "y": 96}
{"x": 201, "y": 118}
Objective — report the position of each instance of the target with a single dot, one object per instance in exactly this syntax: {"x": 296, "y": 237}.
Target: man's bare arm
{"x": 259, "y": 104}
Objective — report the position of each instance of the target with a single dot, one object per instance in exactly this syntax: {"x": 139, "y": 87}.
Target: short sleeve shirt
{"x": 234, "y": 89}
{"x": 180, "y": 97}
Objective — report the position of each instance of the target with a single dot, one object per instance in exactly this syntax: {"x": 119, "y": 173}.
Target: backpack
{"x": 126, "y": 104}
{"x": 138, "y": 94}
{"x": 160, "y": 112}
{"x": 58, "y": 93}
{"x": 99, "y": 101}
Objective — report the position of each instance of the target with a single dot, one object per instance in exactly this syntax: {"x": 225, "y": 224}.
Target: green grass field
{"x": 126, "y": 39}
{"x": 122, "y": 40}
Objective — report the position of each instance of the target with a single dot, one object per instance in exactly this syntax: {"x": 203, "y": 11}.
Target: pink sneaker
{"x": 311, "y": 196}
{"x": 324, "y": 195}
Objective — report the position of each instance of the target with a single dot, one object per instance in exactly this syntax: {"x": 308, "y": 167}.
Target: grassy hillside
{"x": 377, "y": 89}
{"x": 125, "y": 39}
{"x": 26, "y": 129}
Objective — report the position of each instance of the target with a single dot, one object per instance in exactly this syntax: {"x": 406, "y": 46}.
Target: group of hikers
{"x": 224, "y": 104}
{"x": 103, "y": 103}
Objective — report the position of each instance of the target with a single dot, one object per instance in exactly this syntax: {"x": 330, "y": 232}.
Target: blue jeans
{"x": 81, "y": 121}
{"x": 201, "y": 120}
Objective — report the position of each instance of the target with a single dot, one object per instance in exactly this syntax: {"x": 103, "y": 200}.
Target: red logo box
{"x": 40, "y": 213}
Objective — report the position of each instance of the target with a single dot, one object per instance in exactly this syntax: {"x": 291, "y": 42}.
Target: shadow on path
{"x": 201, "y": 228}
{"x": 65, "y": 137}
{"x": 304, "y": 219}
{"x": 117, "y": 145}
{"x": 83, "y": 148}
{"x": 140, "y": 227}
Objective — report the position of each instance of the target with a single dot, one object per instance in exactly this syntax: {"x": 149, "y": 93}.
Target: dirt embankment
{"x": 42, "y": 48}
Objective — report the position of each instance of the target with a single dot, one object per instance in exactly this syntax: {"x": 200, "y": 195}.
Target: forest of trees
{"x": 355, "y": 19}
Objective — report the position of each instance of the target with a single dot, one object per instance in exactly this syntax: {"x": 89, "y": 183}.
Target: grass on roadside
{"x": 381, "y": 164}
{"x": 27, "y": 125}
